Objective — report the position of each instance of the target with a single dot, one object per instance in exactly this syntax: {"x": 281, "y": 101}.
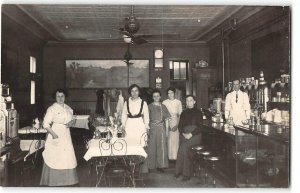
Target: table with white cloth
{"x": 81, "y": 122}
{"x": 31, "y": 130}
{"x": 102, "y": 152}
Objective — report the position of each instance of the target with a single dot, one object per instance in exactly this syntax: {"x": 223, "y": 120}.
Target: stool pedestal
{"x": 213, "y": 161}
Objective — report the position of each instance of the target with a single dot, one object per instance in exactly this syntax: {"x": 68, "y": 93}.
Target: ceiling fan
{"x": 132, "y": 26}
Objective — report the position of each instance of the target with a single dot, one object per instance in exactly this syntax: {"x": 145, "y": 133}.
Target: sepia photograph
{"x": 145, "y": 96}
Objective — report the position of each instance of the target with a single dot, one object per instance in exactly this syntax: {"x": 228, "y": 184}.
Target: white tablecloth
{"x": 81, "y": 122}
{"x": 30, "y": 130}
{"x": 97, "y": 147}
{"x": 31, "y": 146}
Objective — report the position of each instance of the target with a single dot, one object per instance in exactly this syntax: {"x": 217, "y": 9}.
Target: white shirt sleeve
{"x": 227, "y": 106}
{"x": 179, "y": 107}
{"x": 146, "y": 114}
{"x": 48, "y": 119}
{"x": 247, "y": 106}
{"x": 124, "y": 113}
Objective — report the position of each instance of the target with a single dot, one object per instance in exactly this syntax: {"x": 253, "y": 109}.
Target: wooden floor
{"x": 153, "y": 179}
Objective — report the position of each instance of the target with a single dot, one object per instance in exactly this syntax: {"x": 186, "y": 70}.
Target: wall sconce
{"x": 158, "y": 82}
{"x": 201, "y": 64}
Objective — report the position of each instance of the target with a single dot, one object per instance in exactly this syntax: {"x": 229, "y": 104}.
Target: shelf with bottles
{"x": 277, "y": 92}
{"x": 283, "y": 106}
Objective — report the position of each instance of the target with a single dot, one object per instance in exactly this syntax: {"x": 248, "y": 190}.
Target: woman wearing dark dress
{"x": 157, "y": 150}
{"x": 190, "y": 135}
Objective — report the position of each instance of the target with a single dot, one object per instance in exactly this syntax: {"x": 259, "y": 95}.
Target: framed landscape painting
{"x": 106, "y": 73}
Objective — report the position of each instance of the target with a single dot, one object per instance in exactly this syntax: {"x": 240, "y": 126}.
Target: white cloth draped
{"x": 175, "y": 108}
{"x": 130, "y": 148}
{"x": 59, "y": 153}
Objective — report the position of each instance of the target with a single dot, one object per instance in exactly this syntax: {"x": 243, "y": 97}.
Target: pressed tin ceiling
{"x": 100, "y": 22}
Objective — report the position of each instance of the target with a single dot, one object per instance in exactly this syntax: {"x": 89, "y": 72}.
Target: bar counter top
{"x": 269, "y": 130}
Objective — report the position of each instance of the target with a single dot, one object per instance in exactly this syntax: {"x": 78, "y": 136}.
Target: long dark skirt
{"x": 54, "y": 177}
{"x": 185, "y": 154}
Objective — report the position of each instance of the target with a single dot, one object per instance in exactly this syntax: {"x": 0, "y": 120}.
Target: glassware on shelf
{"x": 263, "y": 92}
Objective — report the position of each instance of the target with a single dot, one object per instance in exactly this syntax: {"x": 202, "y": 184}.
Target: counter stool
{"x": 205, "y": 154}
{"x": 213, "y": 160}
{"x": 197, "y": 161}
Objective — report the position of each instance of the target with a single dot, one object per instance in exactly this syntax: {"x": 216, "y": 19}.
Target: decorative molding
{"x": 242, "y": 15}
{"x": 19, "y": 17}
{"x": 111, "y": 43}
{"x": 268, "y": 18}
{"x": 217, "y": 24}
{"x": 33, "y": 17}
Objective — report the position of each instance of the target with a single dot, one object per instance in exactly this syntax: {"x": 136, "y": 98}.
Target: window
{"x": 32, "y": 65}
{"x": 32, "y": 81}
{"x": 32, "y": 92}
{"x": 178, "y": 69}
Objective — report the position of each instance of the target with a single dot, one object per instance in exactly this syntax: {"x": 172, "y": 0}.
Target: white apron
{"x": 59, "y": 153}
{"x": 173, "y": 138}
{"x": 135, "y": 130}
{"x": 237, "y": 110}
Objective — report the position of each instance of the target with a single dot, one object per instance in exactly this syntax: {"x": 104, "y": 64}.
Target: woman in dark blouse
{"x": 190, "y": 135}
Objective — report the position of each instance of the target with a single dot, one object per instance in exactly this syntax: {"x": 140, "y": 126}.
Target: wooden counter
{"x": 250, "y": 157}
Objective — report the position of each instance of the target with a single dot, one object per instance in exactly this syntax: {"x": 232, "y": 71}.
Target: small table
{"x": 101, "y": 151}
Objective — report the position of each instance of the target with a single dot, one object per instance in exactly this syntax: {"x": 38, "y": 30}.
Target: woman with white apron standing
{"x": 59, "y": 157}
{"x": 174, "y": 107}
{"x": 135, "y": 117}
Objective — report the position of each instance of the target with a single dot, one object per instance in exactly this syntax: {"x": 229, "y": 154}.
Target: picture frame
{"x": 105, "y": 73}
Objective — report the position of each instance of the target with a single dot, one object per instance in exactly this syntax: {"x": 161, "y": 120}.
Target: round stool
{"x": 205, "y": 155}
{"x": 196, "y": 162}
{"x": 213, "y": 160}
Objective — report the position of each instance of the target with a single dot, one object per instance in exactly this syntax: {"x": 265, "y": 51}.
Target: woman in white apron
{"x": 174, "y": 107}
{"x": 135, "y": 117}
{"x": 59, "y": 157}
